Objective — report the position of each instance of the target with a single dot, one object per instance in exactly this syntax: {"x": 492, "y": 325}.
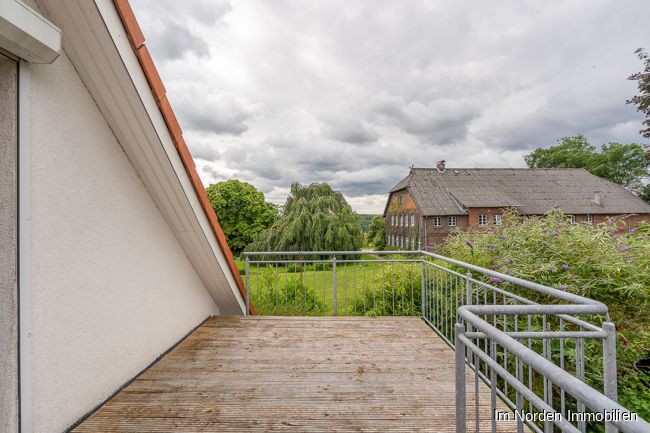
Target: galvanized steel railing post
{"x": 468, "y": 301}
{"x": 468, "y": 285}
{"x": 334, "y": 285}
{"x": 423, "y": 291}
{"x": 461, "y": 403}
{"x": 248, "y": 301}
{"x": 610, "y": 387}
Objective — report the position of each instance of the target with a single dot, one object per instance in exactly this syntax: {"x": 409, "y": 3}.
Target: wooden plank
{"x": 277, "y": 374}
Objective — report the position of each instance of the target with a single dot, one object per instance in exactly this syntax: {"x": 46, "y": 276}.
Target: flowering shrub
{"x": 591, "y": 261}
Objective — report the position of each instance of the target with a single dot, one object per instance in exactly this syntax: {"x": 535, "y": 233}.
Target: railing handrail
{"x": 326, "y": 253}
{"x": 569, "y": 307}
{"x": 571, "y": 384}
{"x": 559, "y": 294}
{"x": 570, "y": 297}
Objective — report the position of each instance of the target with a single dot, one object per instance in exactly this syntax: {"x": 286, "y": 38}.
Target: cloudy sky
{"x": 354, "y": 92}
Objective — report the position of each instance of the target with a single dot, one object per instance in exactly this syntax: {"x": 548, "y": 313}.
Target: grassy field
{"x": 309, "y": 289}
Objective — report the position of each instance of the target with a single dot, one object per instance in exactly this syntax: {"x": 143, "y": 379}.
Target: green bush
{"x": 592, "y": 261}
{"x": 395, "y": 292}
{"x": 287, "y": 296}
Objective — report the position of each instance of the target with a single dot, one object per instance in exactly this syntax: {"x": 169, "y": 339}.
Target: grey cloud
{"x": 202, "y": 109}
{"x": 352, "y": 93}
{"x": 347, "y": 127}
{"x": 439, "y": 121}
{"x": 170, "y": 25}
{"x": 174, "y": 40}
{"x": 203, "y": 150}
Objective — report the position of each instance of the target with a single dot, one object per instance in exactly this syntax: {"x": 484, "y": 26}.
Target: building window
{"x": 412, "y": 243}
{"x": 412, "y": 220}
{"x": 572, "y": 219}
{"x": 392, "y": 220}
{"x": 437, "y": 221}
{"x": 401, "y": 220}
{"x": 497, "y": 218}
{"x": 482, "y": 220}
{"x": 452, "y": 221}
{"x": 590, "y": 219}
{"x": 400, "y": 199}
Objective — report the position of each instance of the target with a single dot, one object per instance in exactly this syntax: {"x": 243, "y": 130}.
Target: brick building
{"x": 429, "y": 202}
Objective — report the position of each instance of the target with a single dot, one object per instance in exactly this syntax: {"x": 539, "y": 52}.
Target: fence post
{"x": 610, "y": 386}
{"x": 423, "y": 291}
{"x": 334, "y": 285}
{"x": 461, "y": 403}
{"x": 468, "y": 301}
{"x": 248, "y": 300}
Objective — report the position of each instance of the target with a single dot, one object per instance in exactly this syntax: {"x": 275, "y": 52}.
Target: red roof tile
{"x": 158, "y": 89}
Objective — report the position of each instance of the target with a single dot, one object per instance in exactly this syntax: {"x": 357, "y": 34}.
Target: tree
{"x": 314, "y": 218}
{"x": 642, "y": 100}
{"x": 242, "y": 211}
{"x": 570, "y": 152}
{"x": 377, "y": 232}
{"x": 625, "y": 164}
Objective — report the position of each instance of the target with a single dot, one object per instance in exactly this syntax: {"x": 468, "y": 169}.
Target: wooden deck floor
{"x": 295, "y": 374}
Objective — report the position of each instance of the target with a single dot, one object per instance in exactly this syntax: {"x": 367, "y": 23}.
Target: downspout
{"x": 24, "y": 247}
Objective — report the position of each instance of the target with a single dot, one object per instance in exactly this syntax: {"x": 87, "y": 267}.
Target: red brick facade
{"x": 407, "y": 228}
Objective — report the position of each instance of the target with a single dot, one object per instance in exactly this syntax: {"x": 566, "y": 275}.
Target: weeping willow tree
{"x": 314, "y": 218}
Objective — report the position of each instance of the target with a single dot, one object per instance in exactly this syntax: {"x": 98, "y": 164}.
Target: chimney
{"x": 598, "y": 198}
{"x": 440, "y": 166}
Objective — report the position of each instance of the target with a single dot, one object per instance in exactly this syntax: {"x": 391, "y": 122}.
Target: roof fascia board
{"x": 27, "y": 34}
{"x": 110, "y": 70}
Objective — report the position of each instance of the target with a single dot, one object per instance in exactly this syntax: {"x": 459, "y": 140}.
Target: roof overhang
{"x": 98, "y": 45}
{"x": 27, "y": 34}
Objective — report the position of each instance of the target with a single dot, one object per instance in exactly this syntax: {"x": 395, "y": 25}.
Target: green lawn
{"x": 309, "y": 289}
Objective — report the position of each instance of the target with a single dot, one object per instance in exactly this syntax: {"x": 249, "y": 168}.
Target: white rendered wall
{"x": 111, "y": 287}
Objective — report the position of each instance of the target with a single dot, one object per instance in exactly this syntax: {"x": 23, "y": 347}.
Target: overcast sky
{"x": 354, "y": 92}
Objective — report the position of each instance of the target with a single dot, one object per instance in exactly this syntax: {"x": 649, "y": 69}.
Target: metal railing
{"x": 545, "y": 353}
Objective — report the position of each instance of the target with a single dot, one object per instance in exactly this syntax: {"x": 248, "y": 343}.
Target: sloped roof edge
{"x": 136, "y": 38}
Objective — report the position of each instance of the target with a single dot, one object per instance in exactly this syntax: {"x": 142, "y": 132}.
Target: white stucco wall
{"x": 111, "y": 286}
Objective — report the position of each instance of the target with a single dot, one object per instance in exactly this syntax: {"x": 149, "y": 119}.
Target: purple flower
{"x": 493, "y": 267}
{"x": 554, "y": 233}
{"x": 495, "y": 280}
{"x": 503, "y": 238}
{"x": 544, "y": 230}
{"x": 634, "y": 229}
{"x": 552, "y": 268}
{"x": 469, "y": 244}
{"x": 490, "y": 247}
{"x": 428, "y": 248}
{"x": 625, "y": 249}
{"x": 562, "y": 287}
{"x": 565, "y": 267}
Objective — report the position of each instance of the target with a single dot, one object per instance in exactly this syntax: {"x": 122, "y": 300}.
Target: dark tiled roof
{"x": 532, "y": 191}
